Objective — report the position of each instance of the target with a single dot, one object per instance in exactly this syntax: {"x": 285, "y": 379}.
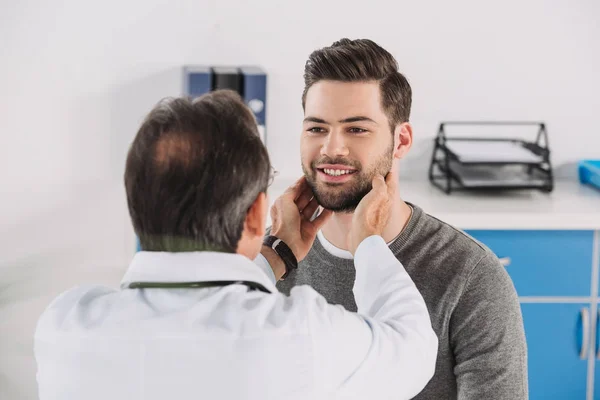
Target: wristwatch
{"x": 283, "y": 251}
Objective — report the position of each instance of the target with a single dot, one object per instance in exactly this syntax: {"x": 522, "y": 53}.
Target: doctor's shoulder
{"x": 55, "y": 316}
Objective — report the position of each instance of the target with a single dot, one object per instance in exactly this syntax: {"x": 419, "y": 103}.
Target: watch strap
{"x": 284, "y": 252}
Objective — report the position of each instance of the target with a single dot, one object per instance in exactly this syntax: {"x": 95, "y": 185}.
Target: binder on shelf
{"x": 254, "y": 93}
{"x": 249, "y": 81}
{"x": 480, "y": 163}
{"x": 227, "y": 78}
{"x": 197, "y": 80}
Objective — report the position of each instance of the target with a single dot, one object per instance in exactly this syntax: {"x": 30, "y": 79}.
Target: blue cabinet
{"x": 544, "y": 263}
{"x": 556, "y": 336}
{"x": 553, "y": 271}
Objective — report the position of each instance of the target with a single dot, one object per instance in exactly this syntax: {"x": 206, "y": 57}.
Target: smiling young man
{"x": 357, "y": 108}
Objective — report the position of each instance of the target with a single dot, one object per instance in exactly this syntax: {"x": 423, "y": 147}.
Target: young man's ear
{"x": 257, "y": 216}
{"x": 402, "y": 139}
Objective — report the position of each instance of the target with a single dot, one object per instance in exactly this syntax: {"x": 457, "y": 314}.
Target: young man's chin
{"x": 330, "y": 199}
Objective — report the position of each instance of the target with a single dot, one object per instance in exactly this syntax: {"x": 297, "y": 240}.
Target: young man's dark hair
{"x": 193, "y": 171}
{"x": 362, "y": 60}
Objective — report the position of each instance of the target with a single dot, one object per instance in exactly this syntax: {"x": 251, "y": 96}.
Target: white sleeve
{"x": 262, "y": 262}
{"x": 386, "y": 350}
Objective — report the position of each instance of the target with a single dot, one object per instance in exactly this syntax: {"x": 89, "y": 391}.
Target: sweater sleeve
{"x": 487, "y": 336}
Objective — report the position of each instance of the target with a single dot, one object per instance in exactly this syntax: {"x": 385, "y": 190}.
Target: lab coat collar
{"x": 202, "y": 266}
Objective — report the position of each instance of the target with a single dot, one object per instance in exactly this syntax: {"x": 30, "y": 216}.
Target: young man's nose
{"x": 334, "y": 145}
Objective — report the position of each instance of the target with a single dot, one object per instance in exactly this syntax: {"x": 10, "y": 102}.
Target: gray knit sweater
{"x": 471, "y": 300}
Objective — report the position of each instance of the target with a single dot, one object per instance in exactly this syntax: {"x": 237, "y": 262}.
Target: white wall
{"x": 77, "y": 77}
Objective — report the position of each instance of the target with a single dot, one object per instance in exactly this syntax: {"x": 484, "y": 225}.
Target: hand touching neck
{"x": 336, "y": 229}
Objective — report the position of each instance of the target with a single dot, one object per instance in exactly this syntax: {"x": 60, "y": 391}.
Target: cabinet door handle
{"x": 597, "y": 328}
{"x": 505, "y": 261}
{"x": 585, "y": 325}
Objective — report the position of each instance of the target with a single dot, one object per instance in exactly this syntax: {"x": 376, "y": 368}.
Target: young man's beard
{"x": 344, "y": 198}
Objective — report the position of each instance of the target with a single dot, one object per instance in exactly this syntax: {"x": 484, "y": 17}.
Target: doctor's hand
{"x": 373, "y": 211}
{"x": 291, "y": 217}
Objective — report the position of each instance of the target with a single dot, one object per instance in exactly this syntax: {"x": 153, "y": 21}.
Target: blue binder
{"x": 254, "y": 93}
{"x": 197, "y": 80}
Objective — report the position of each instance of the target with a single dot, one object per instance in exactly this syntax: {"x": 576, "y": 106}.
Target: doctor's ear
{"x": 402, "y": 139}
{"x": 257, "y": 216}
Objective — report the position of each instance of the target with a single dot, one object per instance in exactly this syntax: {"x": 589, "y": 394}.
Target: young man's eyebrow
{"x": 343, "y": 121}
{"x": 315, "y": 119}
{"x": 356, "y": 119}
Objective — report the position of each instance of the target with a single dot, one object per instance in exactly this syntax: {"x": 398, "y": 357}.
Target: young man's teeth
{"x": 335, "y": 172}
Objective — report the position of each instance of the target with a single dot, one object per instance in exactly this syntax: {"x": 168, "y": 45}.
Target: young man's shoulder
{"x": 435, "y": 244}
{"x": 434, "y": 228}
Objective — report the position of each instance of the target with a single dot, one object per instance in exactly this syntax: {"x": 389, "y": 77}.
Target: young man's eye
{"x": 316, "y": 129}
{"x": 357, "y": 130}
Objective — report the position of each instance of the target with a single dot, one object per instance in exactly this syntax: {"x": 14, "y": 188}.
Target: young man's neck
{"x": 336, "y": 229}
